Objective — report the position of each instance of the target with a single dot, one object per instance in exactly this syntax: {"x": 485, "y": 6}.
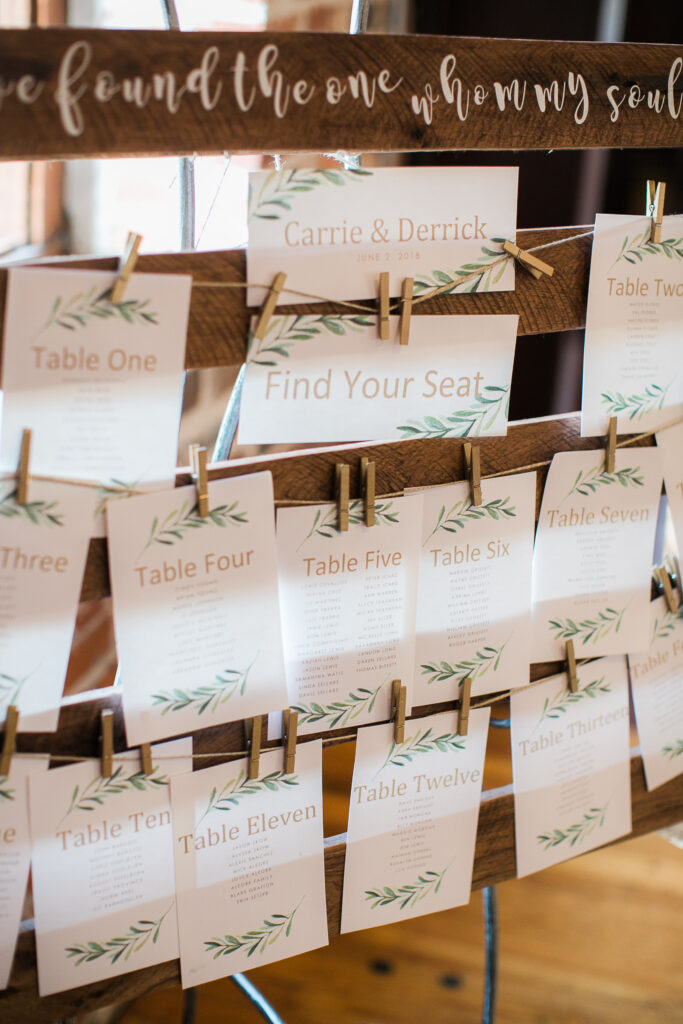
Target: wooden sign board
{"x": 88, "y": 93}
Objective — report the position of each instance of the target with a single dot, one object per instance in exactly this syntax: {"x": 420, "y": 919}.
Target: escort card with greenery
{"x": 473, "y": 558}
{"x": 249, "y": 864}
{"x": 103, "y": 880}
{"x": 335, "y": 230}
{"x": 44, "y": 548}
{"x": 412, "y": 819}
{"x": 593, "y": 554}
{"x": 633, "y": 318}
{"x": 348, "y": 609}
{"x": 196, "y": 607}
{"x": 100, "y": 383}
{"x": 328, "y": 378}
{"x": 570, "y": 764}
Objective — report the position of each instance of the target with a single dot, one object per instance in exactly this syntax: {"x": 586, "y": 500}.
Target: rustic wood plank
{"x": 88, "y": 92}
{"x": 494, "y": 862}
{"x": 219, "y": 317}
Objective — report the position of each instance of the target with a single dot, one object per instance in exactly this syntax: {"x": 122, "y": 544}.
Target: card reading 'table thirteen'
{"x": 348, "y": 609}
{"x": 593, "y": 555}
{"x": 196, "y": 607}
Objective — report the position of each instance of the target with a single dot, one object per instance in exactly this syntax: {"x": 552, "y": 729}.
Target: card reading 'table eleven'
{"x": 196, "y": 607}
{"x": 593, "y": 555}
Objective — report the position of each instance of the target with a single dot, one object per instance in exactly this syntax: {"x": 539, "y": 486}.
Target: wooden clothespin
{"x": 464, "y": 709}
{"x": 398, "y": 710}
{"x": 611, "y": 444}
{"x": 384, "y": 306}
{"x": 200, "y": 478}
{"x": 269, "y": 306}
{"x": 22, "y": 469}
{"x": 527, "y": 259}
{"x": 126, "y": 266}
{"x": 252, "y": 728}
{"x": 654, "y": 209}
{"x": 571, "y": 667}
{"x": 367, "y": 481}
{"x": 9, "y": 741}
{"x": 342, "y": 495}
{"x": 675, "y": 572}
{"x": 290, "y": 725}
{"x": 473, "y": 464}
{"x": 146, "y": 758}
{"x": 107, "y": 755}
{"x": 664, "y": 580}
{"x": 406, "y": 309}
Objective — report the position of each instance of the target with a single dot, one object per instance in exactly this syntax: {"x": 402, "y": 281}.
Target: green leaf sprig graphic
{"x": 635, "y": 250}
{"x": 181, "y": 520}
{"x": 235, "y": 790}
{"x": 325, "y": 524}
{"x": 280, "y": 188}
{"x": 588, "y": 481}
{"x": 256, "y": 940}
{"x": 99, "y": 790}
{"x": 284, "y": 331}
{"x": 573, "y": 834}
{"x": 588, "y": 630}
{"x": 673, "y": 750}
{"x": 93, "y": 305}
{"x": 409, "y": 894}
{"x": 11, "y": 687}
{"x": 664, "y": 626}
{"x": 471, "y": 422}
{"x": 114, "y": 489}
{"x": 6, "y": 791}
{"x": 340, "y": 712}
{"x": 477, "y": 276}
{"x": 458, "y": 515}
{"x": 485, "y": 659}
{"x": 208, "y": 696}
{"x": 423, "y": 742}
{"x": 554, "y": 707}
{"x": 40, "y": 513}
{"x": 636, "y": 405}
{"x": 122, "y": 946}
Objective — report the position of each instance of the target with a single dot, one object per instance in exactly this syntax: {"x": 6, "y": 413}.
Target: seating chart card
{"x": 570, "y": 764}
{"x": 103, "y": 883}
{"x": 15, "y": 855}
{"x": 657, "y": 688}
{"x": 348, "y": 609}
{"x": 196, "y": 607}
{"x": 474, "y": 596}
{"x": 329, "y": 378}
{"x": 249, "y": 864}
{"x": 670, "y": 445}
{"x": 633, "y": 317}
{"x": 412, "y": 820}
{"x": 99, "y": 383}
{"x": 593, "y": 554}
{"x": 43, "y": 548}
{"x": 334, "y": 231}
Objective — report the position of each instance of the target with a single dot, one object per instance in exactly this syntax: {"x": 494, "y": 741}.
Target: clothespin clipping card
{"x": 674, "y": 567}
{"x": 22, "y": 469}
{"x": 464, "y": 709}
{"x": 146, "y": 759}
{"x": 342, "y": 474}
{"x": 571, "y": 668}
{"x": 530, "y": 262}
{"x": 384, "y": 322}
{"x": 9, "y": 740}
{"x": 107, "y": 755}
{"x": 611, "y": 444}
{"x": 252, "y": 728}
{"x": 398, "y": 710}
{"x": 200, "y": 478}
{"x": 406, "y": 309}
{"x": 290, "y": 725}
{"x": 473, "y": 464}
{"x": 655, "y": 193}
{"x": 126, "y": 266}
{"x": 664, "y": 580}
{"x": 367, "y": 480}
{"x": 269, "y": 305}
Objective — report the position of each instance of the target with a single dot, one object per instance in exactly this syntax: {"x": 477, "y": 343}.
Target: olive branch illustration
{"x": 280, "y": 188}
{"x": 635, "y": 250}
{"x": 475, "y": 276}
{"x": 472, "y": 422}
{"x": 40, "y": 513}
{"x": 240, "y": 787}
{"x": 79, "y": 310}
{"x": 673, "y": 750}
{"x": 462, "y": 512}
{"x": 284, "y": 331}
{"x": 181, "y": 520}
{"x": 99, "y": 790}
{"x": 256, "y": 940}
{"x": 664, "y": 626}
{"x": 469, "y": 668}
{"x": 636, "y": 405}
{"x": 423, "y": 742}
{"x": 114, "y": 489}
{"x": 325, "y": 523}
{"x": 120, "y": 947}
{"x": 588, "y": 481}
{"x": 588, "y": 630}
{"x": 6, "y": 791}
{"x": 11, "y": 686}
{"x": 558, "y": 705}
{"x": 577, "y": 833}
{"x": 208, "y": 696}
{"x": 339, "y": 712}
{"x": 410, "y": 893}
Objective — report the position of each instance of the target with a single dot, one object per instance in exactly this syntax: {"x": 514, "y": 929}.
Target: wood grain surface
{"x": 88, "y": 92}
